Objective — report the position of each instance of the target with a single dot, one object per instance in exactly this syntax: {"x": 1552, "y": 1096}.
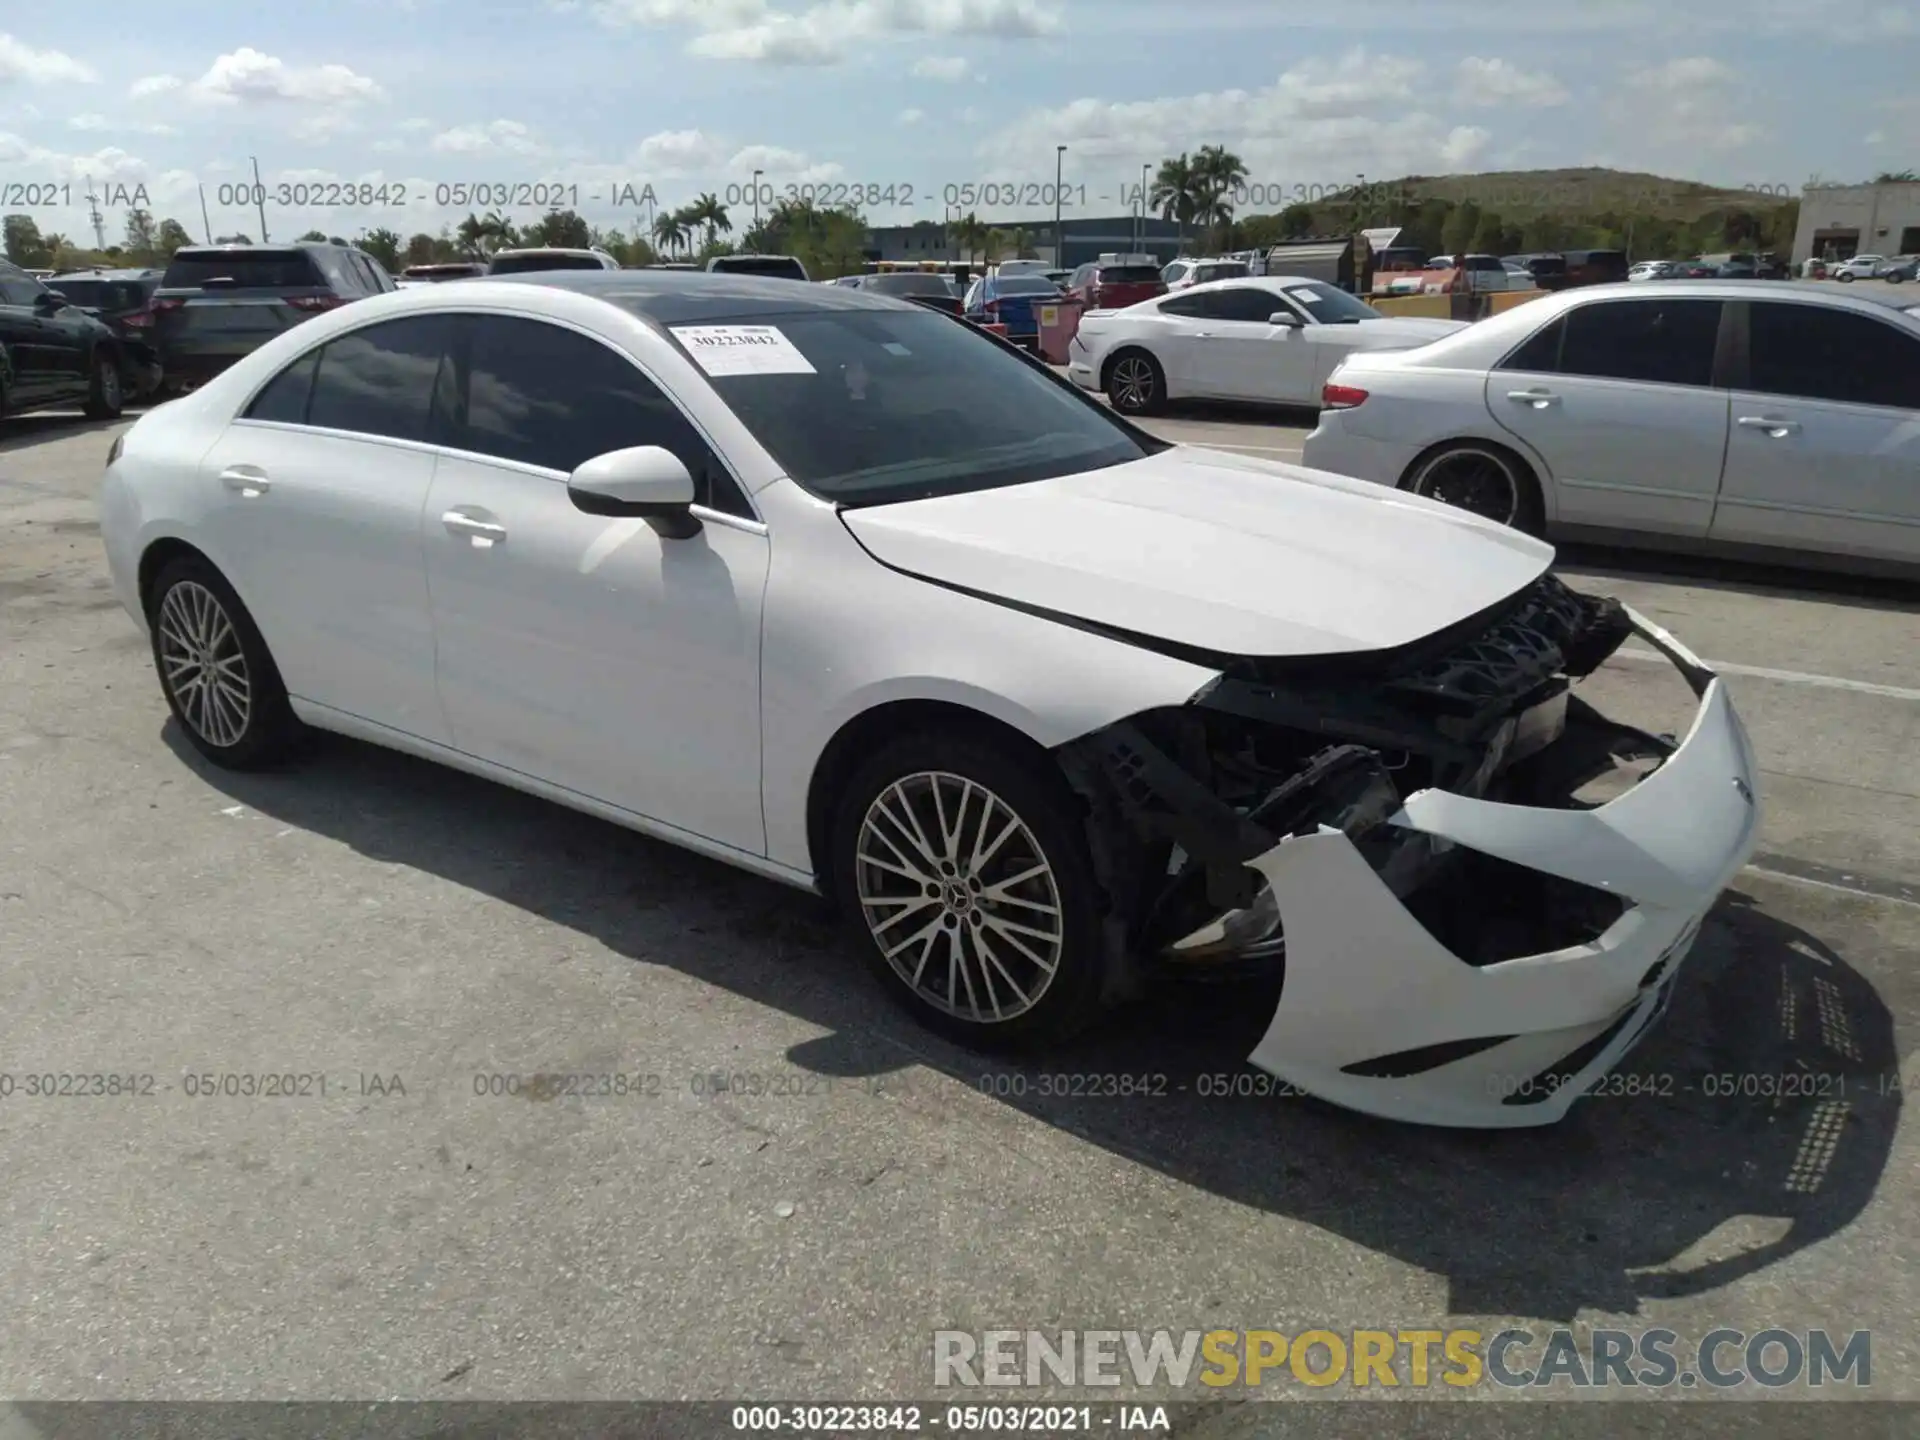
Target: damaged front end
{"x": 1478, "y": 887}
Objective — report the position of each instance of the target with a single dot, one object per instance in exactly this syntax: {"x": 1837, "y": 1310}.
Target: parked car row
{"x": 1731, "y": 265}
{"x": 57, "y": 350}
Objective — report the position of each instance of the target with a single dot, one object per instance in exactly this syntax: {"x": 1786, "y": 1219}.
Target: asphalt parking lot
{"x": 410, "y": 935}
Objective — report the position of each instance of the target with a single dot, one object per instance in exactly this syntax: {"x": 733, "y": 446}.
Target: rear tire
{"x": 106, "y": 397}
{"x": 1136, "y": 385}
{"x": 941, "y": 842}
{"x": 216, "y": 672}
{"x": 1482, "y": 479}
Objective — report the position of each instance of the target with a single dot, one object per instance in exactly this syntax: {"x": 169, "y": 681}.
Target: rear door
{"x": 1617, "y": 398}
{"x": 29, "y": 371}
{"x": 215, "y": 308}
{"x": 1824, "y": 451}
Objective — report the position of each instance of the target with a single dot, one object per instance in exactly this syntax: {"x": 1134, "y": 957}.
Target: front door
{"x": 1247, "y": 357}
{"x": 1825, "y": 449}
{"x": 587, "y": 652}
{"x": 1617, "y": 397}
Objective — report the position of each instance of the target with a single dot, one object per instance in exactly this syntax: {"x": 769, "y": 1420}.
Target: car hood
{"x": 1221, "y": 553}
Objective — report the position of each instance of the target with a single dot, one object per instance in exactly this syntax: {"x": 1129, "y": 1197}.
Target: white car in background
{"x": 1860, "y": 267}
{"x": 1185, "y": 274}
{"x": 1270, "y": 339}
{"x": 1048, "y": 704}
{"x": 1697, "y": 414}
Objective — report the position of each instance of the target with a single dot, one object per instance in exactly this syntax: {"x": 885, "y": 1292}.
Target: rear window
{"x": 1127, "y": 274}
{"x": 253, "y": 269}
{"x": 1483, "y": 262}
{"x": 443, "y": 272}
{"x": 1030, "y": 285}
{"x": 907, "y": 285}
{"x": 102, "y": 294}
{"x": 781, "y": 267}
{"x": 1546, "y": 264}
{"x": 538, "y": 260}
{"x": 1235, "y": 271}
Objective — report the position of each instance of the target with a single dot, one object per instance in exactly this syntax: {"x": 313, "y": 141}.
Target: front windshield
{"x": 1329, "y": 304}
{"x": 875, "y": 406}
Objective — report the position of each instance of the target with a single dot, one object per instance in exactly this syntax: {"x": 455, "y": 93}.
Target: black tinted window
{"x": 270, "y": 269}
{"x": 1185, "y": 303}
{"x": 907, "y": 284}
{"x": 1127, "y": 274}
{"x": 98, "y": 293}
{"x": 285, "y": 398}
{"x": 18, "y": 290}
{"x": 1667, "y": 342}
{"x": 525, "y": 264}
{"x": 1541, "y": 353}
{"x": 779, "y": 268}
{"x": 381, "y": 380}
{"x": 544, "y": 395}
{"x": 1243, "y": 302}
{"x": 1818, "y": 353}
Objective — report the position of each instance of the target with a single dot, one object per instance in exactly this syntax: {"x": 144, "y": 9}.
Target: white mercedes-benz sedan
{"x": 840, "y": 590}
{"x": 1270, "y": 339}
{"x": 1781, "y": 419}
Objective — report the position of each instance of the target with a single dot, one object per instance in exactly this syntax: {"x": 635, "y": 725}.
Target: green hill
{"x": 1520, "y": 194}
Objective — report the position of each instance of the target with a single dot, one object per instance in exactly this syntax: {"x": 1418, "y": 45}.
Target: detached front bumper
{"x": 1377, "y": 1015}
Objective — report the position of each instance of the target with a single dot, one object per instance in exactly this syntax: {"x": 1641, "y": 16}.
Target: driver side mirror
{"x": 644, "y": 482}
{"x": 50, "y": 301}
{"x": 1284, "y": 319}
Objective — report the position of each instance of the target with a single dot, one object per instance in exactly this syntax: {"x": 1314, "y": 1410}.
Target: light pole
{"x": 1059, "y": 241}
{"x": 1144, "y": 171}
{"x": 756, "y": 198}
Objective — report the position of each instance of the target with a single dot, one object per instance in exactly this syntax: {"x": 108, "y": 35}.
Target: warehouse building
{"x": 1082, "y": 239}
{"x": 1841, "y": 221}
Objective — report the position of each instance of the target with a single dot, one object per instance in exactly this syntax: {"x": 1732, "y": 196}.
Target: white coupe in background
{"x": 1267, "y": 338}
{"x": 1044, "y": 704}
{"x": 1694, "y": 414}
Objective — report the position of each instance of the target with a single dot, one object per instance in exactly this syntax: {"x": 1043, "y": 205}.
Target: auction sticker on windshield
{"x": 742, "y": 350}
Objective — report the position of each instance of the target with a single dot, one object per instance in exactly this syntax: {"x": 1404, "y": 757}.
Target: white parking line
{"x": 1789, "y": 677}
{"x": 1252, "y": 449}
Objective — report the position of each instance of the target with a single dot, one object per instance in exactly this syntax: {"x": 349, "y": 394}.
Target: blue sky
{"x": 922, "y": 95}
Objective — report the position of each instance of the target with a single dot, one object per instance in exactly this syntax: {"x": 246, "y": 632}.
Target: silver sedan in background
{"x": 1690, "y": 414}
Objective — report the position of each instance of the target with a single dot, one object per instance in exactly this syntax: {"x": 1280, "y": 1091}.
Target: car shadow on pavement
{"x": 23, "y": 432}
{"x": 1754, "y": 1122}
{"x": 1747, "y": 576}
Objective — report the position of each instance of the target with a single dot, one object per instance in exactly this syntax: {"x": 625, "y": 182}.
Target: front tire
{"x": 962, "y": 868}
{"x": 106, "y": 398}
{"x": 1483, "y": 480}
{"x": 1136, "y": 385}
{"x": 1845, "y": 277}
{"x": 216, "y": 672}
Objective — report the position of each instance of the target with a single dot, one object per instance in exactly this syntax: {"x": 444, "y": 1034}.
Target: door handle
{"x": 1538, "y": 399}
{"x": 249, "y": 480}
{"x": 1203, "y": 334}
{"x": 484, "y": 533}
{"x": 1776, "y": 429}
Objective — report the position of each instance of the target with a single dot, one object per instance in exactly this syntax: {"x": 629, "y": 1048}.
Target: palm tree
{"x": 969, "y": 235}
{"x": 670, "y": 231}
{"x": 1217, "y": 173}
{"x": 689, "y": 218}
{"x": 478, "y": 236}
{"x": 1175, "y": 194}
{"x": 709, "y": 213}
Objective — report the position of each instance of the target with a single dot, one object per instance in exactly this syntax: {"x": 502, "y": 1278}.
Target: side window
{"x": 335, "y": 271}
{"x": 544, "y": 395}
{"x": 1814, "y": 352}
{"x": 18, "y": 290}
{"x": 1244, "y": 303}
{"x": 1664, "y": 342}
{"x": 1541, "y": 353}
{"x": 363, "y": 272}
{"x": 285, "y": 396}
{"x": 382, "y": 380}
{"x": 1184, "y": 303}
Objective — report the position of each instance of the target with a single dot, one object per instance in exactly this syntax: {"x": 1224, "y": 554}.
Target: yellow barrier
{"x": 1507, "y": 299}
{"x": 1434, "y": 307}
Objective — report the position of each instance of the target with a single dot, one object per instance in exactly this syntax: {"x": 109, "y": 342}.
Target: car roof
{"x": 132, "y": 273}
{"x": 1745, "y": 290}
{"x": 677, "y": 297}
{"x": 543, "y": 250}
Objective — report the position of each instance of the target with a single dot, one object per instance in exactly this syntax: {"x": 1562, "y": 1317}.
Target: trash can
{"x": 1059, "y": 323}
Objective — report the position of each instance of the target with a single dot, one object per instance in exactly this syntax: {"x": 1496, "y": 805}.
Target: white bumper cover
{"x": 1364, "y": 979}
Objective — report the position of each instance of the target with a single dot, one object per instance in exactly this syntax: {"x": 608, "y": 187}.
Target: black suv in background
{"x": 53, "y": 353}
{"x": 219, "y": 303}
{"x": 778, "y": 267}
{"x": 123, "y": 301}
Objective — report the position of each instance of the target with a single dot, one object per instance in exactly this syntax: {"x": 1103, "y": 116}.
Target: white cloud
{"x": 822, "y": 33}
{"x": 942, "y": 67}
{"x": 89, "y": 122}
{"x": 148, "y": 86}
{"x": 1464, "y": 145}
{"x": 1689, "y": 106}
{"x": 675, "y": 154}
{"x": 912, "y": 117}
{"x": 21, "y": 62}
{"x": 96, "y": 123}
{"x": 498, "y": 137}
{"x": 247, "y": 75}
{"x": 1495, "y": 81}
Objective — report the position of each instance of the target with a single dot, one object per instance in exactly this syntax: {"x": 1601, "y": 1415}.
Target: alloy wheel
{"x": 203, "y": 665}
{"x": 1132, "y": 383}
{"x": 110, "y": 384}
{"x": 959, "y": 897}
{"x": 1474, "y": 480}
